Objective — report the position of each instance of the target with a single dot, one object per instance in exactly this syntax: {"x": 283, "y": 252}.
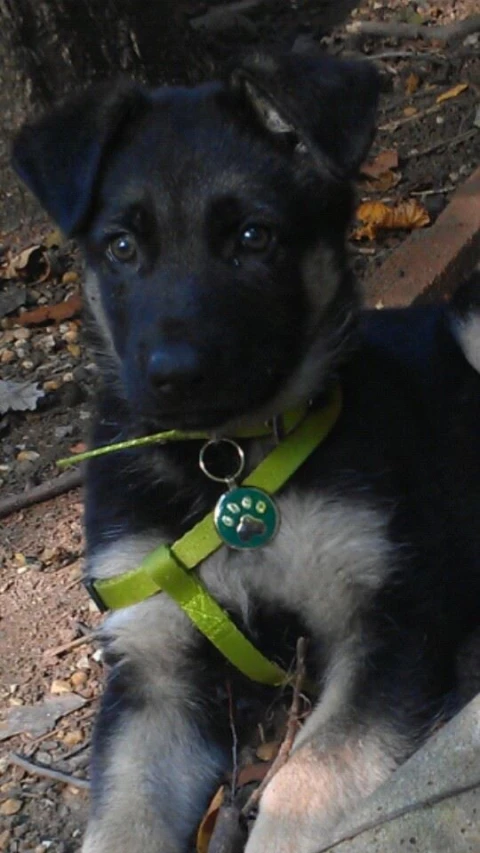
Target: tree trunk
{"x": 51, "y": 47}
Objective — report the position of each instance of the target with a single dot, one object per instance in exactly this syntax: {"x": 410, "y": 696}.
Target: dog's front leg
{"x": 156, "y": 758}
{"x": 320, "y": 781}
{"x": 343, "y": 753}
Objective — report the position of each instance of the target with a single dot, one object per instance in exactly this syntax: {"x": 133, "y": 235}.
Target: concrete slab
{"x": 431, "y": 804}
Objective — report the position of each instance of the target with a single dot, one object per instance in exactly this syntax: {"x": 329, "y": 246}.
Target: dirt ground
{"x": 47, "y": 655}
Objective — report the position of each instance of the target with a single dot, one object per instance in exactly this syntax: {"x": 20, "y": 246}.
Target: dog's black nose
{"x": 174, "y": 368}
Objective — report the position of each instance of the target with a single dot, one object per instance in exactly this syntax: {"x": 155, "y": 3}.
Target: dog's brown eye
{"x": 255, "y": 238}
{"x": 122, "y": 248}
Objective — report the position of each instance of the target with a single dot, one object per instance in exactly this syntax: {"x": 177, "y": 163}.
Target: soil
{"x": 44, "y": 605}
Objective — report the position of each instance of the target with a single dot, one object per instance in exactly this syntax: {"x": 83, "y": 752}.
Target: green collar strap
{"x": 168, "y": 568}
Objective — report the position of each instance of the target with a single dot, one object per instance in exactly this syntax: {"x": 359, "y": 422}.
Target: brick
{"x": 431, "y": 262}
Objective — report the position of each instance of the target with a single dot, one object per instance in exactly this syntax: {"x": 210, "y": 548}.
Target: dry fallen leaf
{"x": 376, "y": 216}
{"x": 31, "y": 264}
{"x": 379, "y": 173}
{"x": 409, "y": 111}
{"x": 412, "y": 83}
{"x": 452, "y": 93}
{"x": 19, "y": 396}
{"x": 383, "y": 183}
{"x": 207, "y": 824}
{"x": 383, "y": 162}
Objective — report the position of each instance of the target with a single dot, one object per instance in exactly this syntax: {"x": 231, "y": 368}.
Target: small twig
{"x": 76, "y": 750}
{"x": 406, "y": 54}
{"x": 51, "y": 489}
{"x": 426, "y": 803}
{"x": 49, "y": 772}
{"x": 444, "y": 143}
{"x": 446, "y": 33}
{"x": 396, "y": 123}
{"x": 65, "y": 647}
{"x": 425, "y": 193}
{"x": 361, "y": 250}
{"x": 292, "y": 728}
{"x": 231, "y": 722}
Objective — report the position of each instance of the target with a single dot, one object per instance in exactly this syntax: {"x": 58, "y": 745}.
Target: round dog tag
{"x": 246, "y": 517}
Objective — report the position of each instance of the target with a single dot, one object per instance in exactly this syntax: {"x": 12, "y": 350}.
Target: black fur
{"x": 233, "y": 200}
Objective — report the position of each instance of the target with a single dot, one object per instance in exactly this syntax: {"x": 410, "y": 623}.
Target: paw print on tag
{"x": 246, "y": 517}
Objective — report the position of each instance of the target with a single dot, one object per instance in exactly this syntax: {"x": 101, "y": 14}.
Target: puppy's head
{"x": 213, "y": 225}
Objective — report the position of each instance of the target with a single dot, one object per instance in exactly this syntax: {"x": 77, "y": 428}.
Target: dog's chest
{"x": 329, "y": 556}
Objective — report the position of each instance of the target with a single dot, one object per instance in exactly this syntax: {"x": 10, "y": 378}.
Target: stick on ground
{"x": 48, "y": 772}
{"x": 51, "y": 489}
{"x": 447, "y": 33}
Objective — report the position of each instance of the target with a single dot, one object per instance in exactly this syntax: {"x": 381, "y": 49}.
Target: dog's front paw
{"x": 296, "y": 810}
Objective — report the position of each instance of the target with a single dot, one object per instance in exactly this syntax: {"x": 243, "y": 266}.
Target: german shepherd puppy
{"x": 213, "y": 224}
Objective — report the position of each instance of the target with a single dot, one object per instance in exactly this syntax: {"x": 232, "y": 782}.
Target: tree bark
{"x": 49, "y": 48}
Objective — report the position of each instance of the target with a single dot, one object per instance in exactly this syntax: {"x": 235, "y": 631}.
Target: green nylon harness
{"x": 168, "y": 568}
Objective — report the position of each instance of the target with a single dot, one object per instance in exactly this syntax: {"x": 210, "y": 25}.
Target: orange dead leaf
{"x": 452, "y": 93}
{"x": 409, "y": 111}
{"x": 80, "y": 447}
{"x": 412, "y": 83}
{"x": 375, "y": 216}
{"x": 50, "y": 313}
{"x": 382, "y": 163}
{"x": 253, "y": 772}
{"x": 383, "y": 183}
{"x": 204, "y": 832}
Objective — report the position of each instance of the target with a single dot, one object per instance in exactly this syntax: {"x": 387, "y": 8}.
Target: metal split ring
{"x": 231, "y": 478}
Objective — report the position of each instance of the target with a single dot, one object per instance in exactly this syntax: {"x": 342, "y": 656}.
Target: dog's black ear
{"x": 60, "y": 155}
{"x": 326, "y": 105}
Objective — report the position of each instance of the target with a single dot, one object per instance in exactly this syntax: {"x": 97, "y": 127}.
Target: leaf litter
{"x": 57, "y": 825}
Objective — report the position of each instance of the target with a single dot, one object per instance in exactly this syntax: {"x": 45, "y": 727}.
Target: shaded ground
{"x": 43, "y": 604}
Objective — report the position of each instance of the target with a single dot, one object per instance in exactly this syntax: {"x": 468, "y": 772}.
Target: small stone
{"x": 98, "y": 656}
{"x": 68, "y": 377}
{"x": 63, "y": 431}
{"x": 51, "y": 385}
{"x": 11, "y": 806}
{"x": 4, "y": 839}
{"x": 48, "y": 555}
{"x": 22, "y": 334}
{"x": 70, "y": 277}
{"x": 78, "y": 679}
{"x": 45, "y": 343}
{"x": 73, "y": 738}
{"x": 7, "y": 356}
{"x": 43, "y": 757}
{"x": 71, "y": 336}
{"x": 28, "y": 456}
{"x": 58, "y": 687}
{"x": 27, "y": 364}
{"x": 75, "y": 351}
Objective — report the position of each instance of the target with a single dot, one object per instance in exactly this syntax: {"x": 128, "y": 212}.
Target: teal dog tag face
{"x": 246, "y": 517}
